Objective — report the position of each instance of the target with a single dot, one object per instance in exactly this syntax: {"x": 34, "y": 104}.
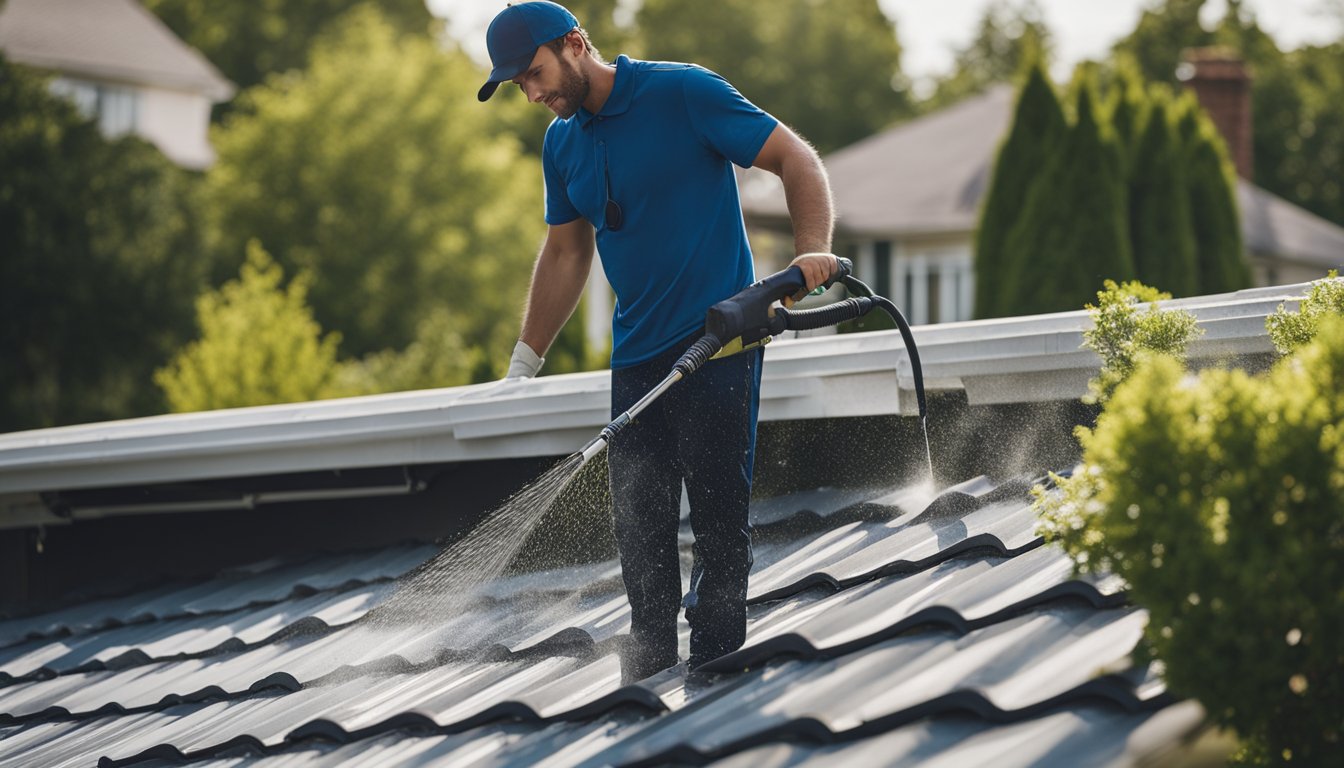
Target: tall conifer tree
{"x": 1216, "y": 224}
{"x": 1072, "y": 234}
{"x": 1038, "y": 124}
{"x": 1161, "y": 233}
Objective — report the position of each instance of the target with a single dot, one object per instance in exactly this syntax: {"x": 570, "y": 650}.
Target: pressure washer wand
{"x": 750, "y": 319}
{"x": 743, "y": 320}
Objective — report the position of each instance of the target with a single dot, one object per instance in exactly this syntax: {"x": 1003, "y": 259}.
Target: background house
{"x": 122, "y": 65}
{"x": 908, "y": 201}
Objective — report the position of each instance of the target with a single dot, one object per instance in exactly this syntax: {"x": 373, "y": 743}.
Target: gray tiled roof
{"x": 106, "y": 39}
{"x": 928, "y": 176}
{"x": 944, "y": 623}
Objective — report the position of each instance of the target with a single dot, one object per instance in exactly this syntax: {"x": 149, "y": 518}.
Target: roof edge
{"x": 1010, "y": 360}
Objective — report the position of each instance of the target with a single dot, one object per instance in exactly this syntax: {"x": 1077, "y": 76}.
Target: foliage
{"x": 258, "y": 344}
{"x": 1160, "y": 225}
{"x": 250, "y": 40}
{"x": 1072, "y": 232}
{"x": 377, "y": 170}
{"x": 1126, "y": 102}
{"x": 1007, "y": 40}
{"x": 1038, "y": 123}
{"x": 831, "y": 70}
{"x": 438, "y": 357}
{"x": 1165, "y": 28}
{"x": 1219, "y": 499}
{"x": 1049, "y": 220}
{"x": 1120, "y": 332}
{"x": 1297, "y": 97}
{"x": 102, "y": 258}
{"x": 1290, "y": 330}
{"x": 1214, "y": 218}
{"x": 1299, "y": 129}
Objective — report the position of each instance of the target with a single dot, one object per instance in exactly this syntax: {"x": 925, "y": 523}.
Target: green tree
{"x": 1165, "y": 29}
{"x": 1298, "y": 144}
{"x": 1161, "y": 232}
{"x": 101, "y": 259}
{"x": 829, "y": 69}
{"x": 1213, "y": 205}
{"x": 1008, "y": 39}
{"x": 258, "y": 344}
{"x": 377, "y": 170}
{"x": 1038, "y": 124}
{"x": 1126, "y": 101}
{"x": 1217, "y": 499}
{"x": 1297, "y": 98}
{"x": 1072, "y": 233}
{"x": 250, "y": 40}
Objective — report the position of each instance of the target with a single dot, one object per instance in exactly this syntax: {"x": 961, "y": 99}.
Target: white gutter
{"x": 1012, "y": 360}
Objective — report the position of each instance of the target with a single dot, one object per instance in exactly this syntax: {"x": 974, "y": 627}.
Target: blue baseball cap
{"x": 516, "y": 34}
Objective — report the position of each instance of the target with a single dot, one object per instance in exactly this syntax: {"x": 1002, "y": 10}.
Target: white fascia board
{"x": 1010, "y": 360}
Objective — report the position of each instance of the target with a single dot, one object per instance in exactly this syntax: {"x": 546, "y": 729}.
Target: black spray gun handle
{"x": 748, "y": 317}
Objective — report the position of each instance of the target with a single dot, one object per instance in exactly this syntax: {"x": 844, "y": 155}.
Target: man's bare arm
{"x": 807, "y": 192}
{"x": 558, "y": 279}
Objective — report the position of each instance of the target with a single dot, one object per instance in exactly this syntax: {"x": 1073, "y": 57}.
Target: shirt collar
{"x": 621, "y": 92}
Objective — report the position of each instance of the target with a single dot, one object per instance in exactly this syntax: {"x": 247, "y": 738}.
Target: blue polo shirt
{"x": 667, "y": 136}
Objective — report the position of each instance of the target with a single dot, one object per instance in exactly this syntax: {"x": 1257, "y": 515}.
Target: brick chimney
{"x": 1221, "y": 82}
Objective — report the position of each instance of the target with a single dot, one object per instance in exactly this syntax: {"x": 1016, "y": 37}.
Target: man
{"x": 638, "y": 162}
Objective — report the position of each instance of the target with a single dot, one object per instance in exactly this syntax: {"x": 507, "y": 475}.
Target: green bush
{"x": 1219, "y": 498}
{"x": 1120, "y": 332}
{"x": 259, "y": 344}
{"x": 1290, "y": 330}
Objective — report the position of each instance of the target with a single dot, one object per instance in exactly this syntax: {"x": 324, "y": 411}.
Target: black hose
{"x": 825, "y": 317}
{"x": 909, "y": 338}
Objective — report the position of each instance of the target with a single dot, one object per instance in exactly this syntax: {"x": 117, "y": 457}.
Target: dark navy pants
{"x": 702, "y": 431}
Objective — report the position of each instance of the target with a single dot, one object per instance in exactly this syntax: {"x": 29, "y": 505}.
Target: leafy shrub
{"x": 1290, "y": 330}
{"x": 259, "y": 344}
{"x": 1120, "y": 331}
{"x": 1219, "y": 498}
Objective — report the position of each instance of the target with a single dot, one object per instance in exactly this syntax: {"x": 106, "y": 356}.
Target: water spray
{"x": 441, "y": 586}
{"x": 750, "y": 319}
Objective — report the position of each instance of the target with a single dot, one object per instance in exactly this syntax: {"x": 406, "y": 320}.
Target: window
{"x": 116, "y": 108}
{"x": 882, "y": 267}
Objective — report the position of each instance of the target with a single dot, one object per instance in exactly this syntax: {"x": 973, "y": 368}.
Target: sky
{"x": 931, "y": 30}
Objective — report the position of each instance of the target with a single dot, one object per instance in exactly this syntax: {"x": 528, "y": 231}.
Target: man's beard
{"x": 574, "y": 87}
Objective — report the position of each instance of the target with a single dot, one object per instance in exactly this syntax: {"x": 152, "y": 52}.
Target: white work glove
{"x": 524, "y": 364}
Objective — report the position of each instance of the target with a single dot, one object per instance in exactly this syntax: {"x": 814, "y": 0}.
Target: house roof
{"x": 1008, "y": 360}
{"x": 890, "y": 624}
{"x": 883, "y": 620}
{"x": 927, "y": 177}
{"x": 114, "y": 40}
